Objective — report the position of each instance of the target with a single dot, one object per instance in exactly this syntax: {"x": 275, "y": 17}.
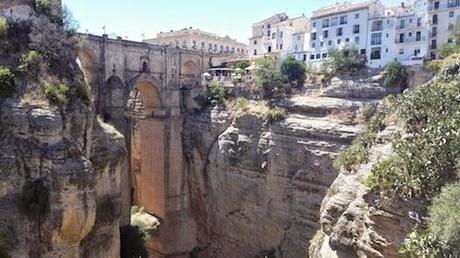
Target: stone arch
{"x": 190, "y": 69}
{"x": 87, "y": 61}
{"x": 144, "y": 96}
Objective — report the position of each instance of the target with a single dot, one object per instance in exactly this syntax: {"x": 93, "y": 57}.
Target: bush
{"x": 35, "y": 200}
{"x": 445, "y": 218}
{"x": 271, "y": 79}
{"x": 241, "y": 104}
{"x": 51, "y": 8}
{"x": 395, "y": 75}
{"x": 4, "y": 27}
{"x": 216, "y": 95}
{"x": 358, "y": 153}
{"x": 421, "y": 245}
{"x": 133, "y": 242}
{"x": 5, "y": 246}
{"x": 368, "y": 112}
{"x": 425, "y": 159}
{"x": 243, "y": 64}
{"x": 343, "y": 60}
{"x": 274, "y": 115}
{"x": 7, "y": 84}
{"x": 56, "y": 94}
{"x": 293, "y": 71}
{"x": 29, "y": 62}
{"x": 448, "y": 49}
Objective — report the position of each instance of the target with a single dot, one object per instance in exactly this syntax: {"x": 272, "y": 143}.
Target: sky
{"x": 138, "y": 19}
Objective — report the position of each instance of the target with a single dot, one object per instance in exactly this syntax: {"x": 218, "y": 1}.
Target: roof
{"x": 280, "y": 16}
{"x": 339, "y": 8}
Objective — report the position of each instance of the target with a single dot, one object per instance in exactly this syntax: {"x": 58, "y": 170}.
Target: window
{"x": 312, "y": 57}
{"x": 273, "y": 35}
{"x": 314, "y": 24}
{"x": 299, "y": 38}
{"x": 401, "y": 51}
{"x": 419, "y": 22}
{"x": 339, "y": 41}
{"x": 269, "y": 49}
{"x": 281, "y": 46}
{"x": 436, "y": 5}
{"x": 386, "y": 50}
{"x": 329, "y": 42}
{"x": 434, "y": 44}
{"x": 418, "y": 36}
{"x": 325, "y": 34}
{"x": 411, "y": 20}
{"x": 281, "y": 34}
{"x": 313, "y": 36}
{"x": 184, "y": 44}
{"x": 416, "y": 51}
{"x": 321, "y": 44}
{"x": 401, "y": 38}
{"x": 318, "y": 56}
{"x": 255, "y": 52}
{"x": 356, "y": 40}
{"x": 203, "y": 45}
{"x": 377, "y": 25}
{"x": 343, "y": 20}
{"x": 376, "y": 38}
{"x": 347, "y": 40}
{"x": 313, "y": 45}
{"x": 325, "y": 23}
{"x": 269, "y": 33}
{"x": 402, "y": 24}
{"x": 269, "y": 26}
{"x": 255, "y": 42}
{"x": 435, "y": 19}
{"x": 451, "y": 27}
{"x": 339, "y": 31}
{"x": 357, "y": 16}
{"x": 375, "y": 53}
{"x": 410, "y": 34}
{"x": 305, "y": 57}
{"x": 334, "y": 21}
{"x": 434, "y": 31}
{"x": 451, "y": 14}
{"x": 450, "y": 40}
{"x": 363, "y": 51}
{"x": 356, "y": 28}
{"x": 324, "y": 55}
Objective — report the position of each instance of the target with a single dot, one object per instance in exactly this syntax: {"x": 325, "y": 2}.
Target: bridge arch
{"x": 190, "y": 69}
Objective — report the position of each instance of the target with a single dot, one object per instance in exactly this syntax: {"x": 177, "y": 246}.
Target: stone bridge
{"x": 142, "y": 89}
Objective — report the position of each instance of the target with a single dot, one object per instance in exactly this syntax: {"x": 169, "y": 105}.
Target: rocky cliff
{"x": 61, "y": 168}
{"x": 256, "y": 186}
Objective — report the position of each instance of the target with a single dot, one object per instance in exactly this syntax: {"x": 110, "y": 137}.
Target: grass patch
{"x": 4, "y": 27}
{"x": 56, "y": 93}
{"x": 29, "y": 62}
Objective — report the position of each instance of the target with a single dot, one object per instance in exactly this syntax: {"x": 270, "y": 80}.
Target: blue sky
{"x": 132, "y": 18}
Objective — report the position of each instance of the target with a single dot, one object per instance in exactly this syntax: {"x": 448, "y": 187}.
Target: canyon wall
{"x": 62, "y": 170}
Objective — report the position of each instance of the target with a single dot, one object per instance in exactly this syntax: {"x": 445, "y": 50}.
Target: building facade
{"x": 279, "y": 35}
{"x": 191, "y": 38}
{"x": 410, "y": 33}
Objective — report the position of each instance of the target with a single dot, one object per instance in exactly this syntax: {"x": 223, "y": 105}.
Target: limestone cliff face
{"x": 58, "y": 160}
{"x": 256, "y": 188}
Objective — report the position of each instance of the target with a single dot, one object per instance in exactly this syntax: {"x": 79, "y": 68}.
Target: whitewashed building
{"x": 341, "y": 25}
{"x": 443, "y": 14}
{"x": 191, "y": 38}
{"x": 278, "y": 35}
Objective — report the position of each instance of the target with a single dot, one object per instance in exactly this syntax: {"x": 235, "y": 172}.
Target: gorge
{"x": 130, "y": 128}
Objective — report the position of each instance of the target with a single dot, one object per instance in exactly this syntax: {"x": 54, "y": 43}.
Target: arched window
{"x": 144, "y": 67}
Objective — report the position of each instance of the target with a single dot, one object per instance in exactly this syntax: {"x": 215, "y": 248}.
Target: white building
{"x": 443, "y": 15}
{"x": 191, "y": 38}
{"x": 276, "y": 35}
{"x": 339, "y": 26}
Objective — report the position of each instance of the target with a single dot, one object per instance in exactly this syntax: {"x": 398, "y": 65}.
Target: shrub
{"x": 241, "y": 104}
{"x": 274, "y": 115}
{"x": 29, "y": 62}
{"x": 243, "y": 64}
{"x": 133, "y": 242}
{"x": 216, "y": 95}
{"x": 4, "y": 27}
{"x": 445, "y": 218}
{"x": 368, "y": 112}
{"x": 56, "y": 94}
{"x": 51, "y": 8}
{"x": 448, "y": 49}
{"x": 293, "y": 71}
{"x": 35, "y": 199}
{"x": 343, "y": 60}
{"x": 271, "y": 79}
{"x": 358, "y": 153}
{"x": 7, "y": 84}
{"x": 5, "y": 246}
{"x": 395, "y": 75}
{"x": 421, "y": 245}
{"x": 425, "y": 159}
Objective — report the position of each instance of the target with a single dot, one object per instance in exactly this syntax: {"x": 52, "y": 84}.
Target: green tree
{"x": 271, "y": 79}
{"x": 344, "y": 60}
{"x": 293, "y": 71}
{"x": 243, "y": 64}
{"x": 395, "y": 75}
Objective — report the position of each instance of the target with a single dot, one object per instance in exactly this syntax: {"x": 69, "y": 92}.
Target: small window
{"x": 281, "y": 46}
{"x": 305, "y": 57}
{"x": 321, "y": 44}
{"x": 318, "y": 56}
{"x": 356, "y": 40}
{"x": 357, "y": 16}
{"x": 401, "y": 51}
{"x": 451, "y": 14}
{"x": 313, "y": 45}
{"x": 450, "y": 40}
{"x": 314, "y": 24}
{"x": 144, "y": 67}
{"x": 273, "y": 35}
{"x": 255, "y": 52}
{"x": 269, "y": 49}
{"x": 281, "y": 34}
{"x": 312, "y": 57}
{"x": 339, "y": 31}
{"x": 324, "y": 55}
{"x": 363, "y": 51}
{"x": 325, "y": 34}
{"x": 255, "y": 42}
{"x": 347, "y": 40}
{"x": 339, "y": 41}
{"x": 329, "y": 43}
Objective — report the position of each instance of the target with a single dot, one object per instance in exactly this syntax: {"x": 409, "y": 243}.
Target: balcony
{"x": 443, "y": 6}
{"x": 410, "y": 40}
{"x": 411, "y": 26}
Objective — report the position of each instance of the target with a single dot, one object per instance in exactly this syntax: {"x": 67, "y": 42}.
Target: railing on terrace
{"x": 410, "y": 40}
